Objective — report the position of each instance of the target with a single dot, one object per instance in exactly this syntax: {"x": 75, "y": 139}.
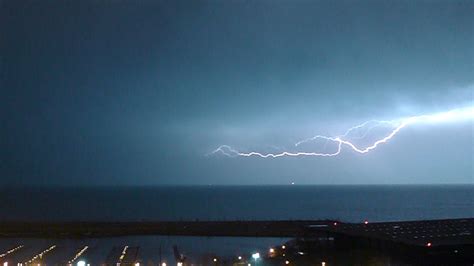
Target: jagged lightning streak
{"x": 344, "y": 140}
{"x": 375, "y": 124}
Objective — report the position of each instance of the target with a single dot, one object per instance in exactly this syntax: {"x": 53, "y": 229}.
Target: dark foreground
{"x": 418, "y": 233}
{"x": 326, "y": 242}
{"x": 181, "y": 228}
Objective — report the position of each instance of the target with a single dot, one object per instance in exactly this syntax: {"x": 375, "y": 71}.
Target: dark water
{"x": 346, "y": 203}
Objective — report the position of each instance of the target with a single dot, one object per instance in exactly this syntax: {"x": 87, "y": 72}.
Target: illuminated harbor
{"x": 322, "y": 242}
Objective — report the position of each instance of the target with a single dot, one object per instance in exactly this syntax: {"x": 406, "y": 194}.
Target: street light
{"x": 256, "y": 256}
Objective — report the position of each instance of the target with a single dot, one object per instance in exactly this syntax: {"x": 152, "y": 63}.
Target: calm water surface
{"x": 346, "y": 203}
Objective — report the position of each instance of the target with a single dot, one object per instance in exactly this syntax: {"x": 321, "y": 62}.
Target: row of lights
{"x": 40, "y": 254}
{"x": 11, "y": 251}
{"x": 255, "y": 256}
{"x": 282, "y": 247}
{"x": 78, "y": 254}
{"x": 367, "y": 222}
{"x": 124, "y": 251}
{"x": 82, "y": 263}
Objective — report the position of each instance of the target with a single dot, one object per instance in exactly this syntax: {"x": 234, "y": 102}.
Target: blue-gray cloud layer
{"x": 127, "y": 92}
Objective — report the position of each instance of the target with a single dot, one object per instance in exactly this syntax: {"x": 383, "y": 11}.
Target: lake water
{"x": 346, "y": 203}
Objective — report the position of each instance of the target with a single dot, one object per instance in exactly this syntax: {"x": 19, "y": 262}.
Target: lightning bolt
{"x": 344, "y": 140}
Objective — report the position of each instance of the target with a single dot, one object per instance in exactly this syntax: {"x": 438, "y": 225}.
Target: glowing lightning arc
{"x": 342, "y": 140}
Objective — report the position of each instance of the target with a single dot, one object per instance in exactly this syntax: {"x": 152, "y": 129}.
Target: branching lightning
{"x": 346, "y": 139}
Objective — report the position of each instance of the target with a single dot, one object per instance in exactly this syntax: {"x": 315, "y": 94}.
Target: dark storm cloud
{"x": 122, "y": 92}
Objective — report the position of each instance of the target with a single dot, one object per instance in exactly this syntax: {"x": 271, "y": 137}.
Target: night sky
{"x": 138, "y": 92}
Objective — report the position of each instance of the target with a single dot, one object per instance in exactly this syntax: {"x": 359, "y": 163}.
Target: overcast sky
{"x": 137, "y": 92}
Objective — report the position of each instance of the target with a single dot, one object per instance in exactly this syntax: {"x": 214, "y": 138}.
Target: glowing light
{"x": 428, "y": 244}
{"x": 5, "y": 263}
{"x": 323, "y": 263}
{"x": 239, "y": 257}
{"x": 366, "y": 222}
{"x": 283, "y": 247}
{"x": 40, "y": 255}
{"x": 163, "y": 264}
{"x": 287, "y": 262}
{"x": 345, "y": 140}
{"x": 271, "y": 250}
{"x": 256, "y": 256}
{"x": 11, "y": 251}
{"x": 78, "y": 254}
{"x": 124, "y": 252}
{"x": 81, "y": 263}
